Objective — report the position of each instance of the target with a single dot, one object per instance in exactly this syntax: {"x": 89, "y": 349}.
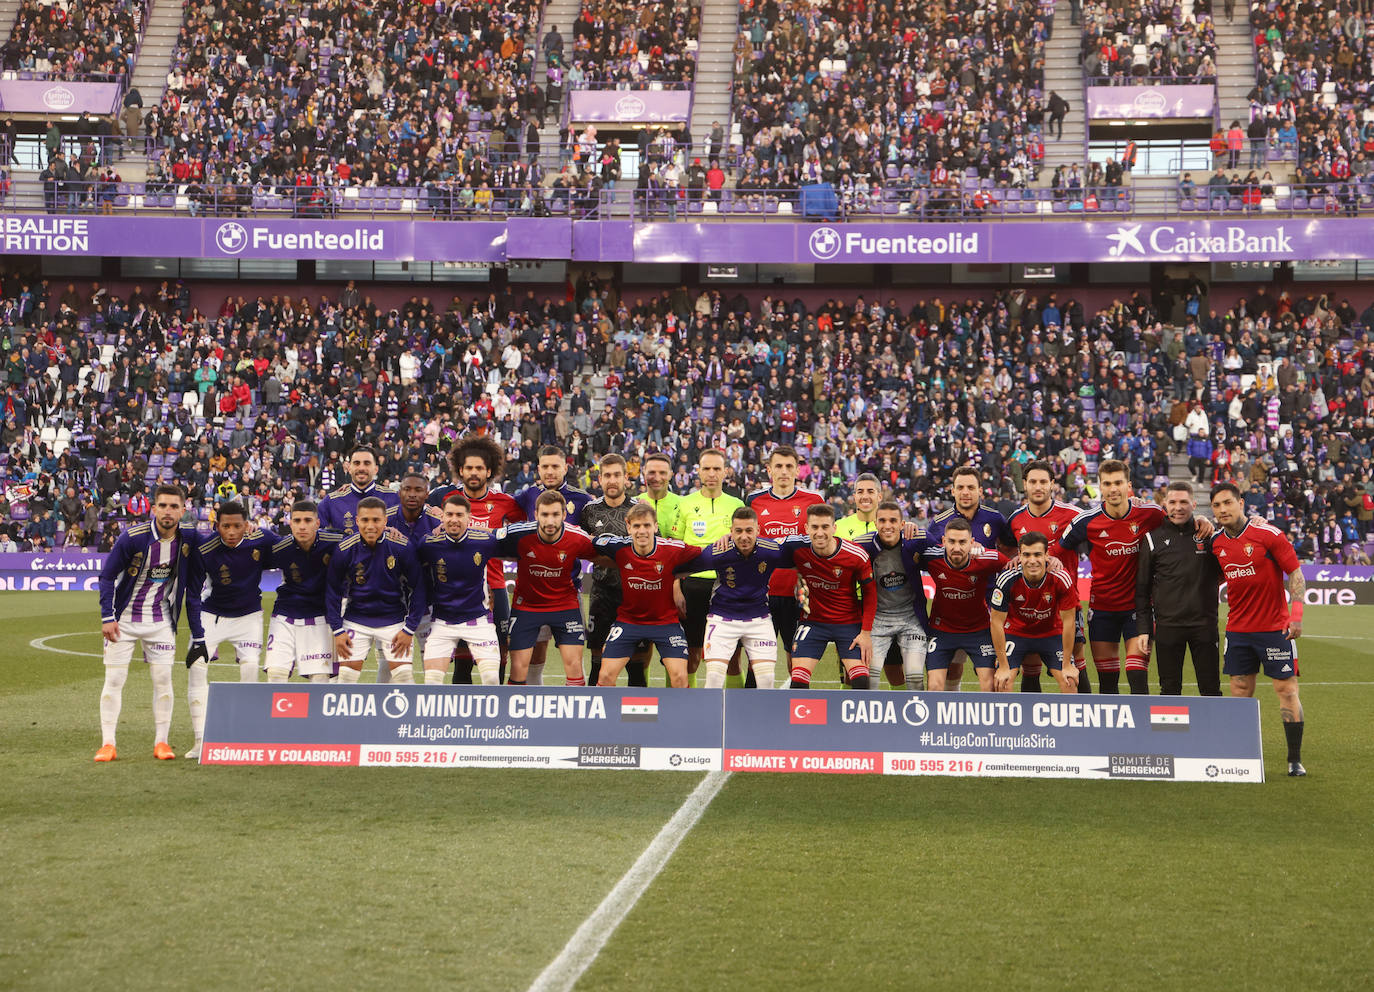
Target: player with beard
{"x": 606, "y": 517}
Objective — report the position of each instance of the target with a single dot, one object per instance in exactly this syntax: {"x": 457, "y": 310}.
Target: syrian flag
{"x": 1168, "y": 718}
{"x": 642, "y": 708}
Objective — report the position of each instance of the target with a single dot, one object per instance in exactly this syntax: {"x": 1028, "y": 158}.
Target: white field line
{"x": 584, "y": 945}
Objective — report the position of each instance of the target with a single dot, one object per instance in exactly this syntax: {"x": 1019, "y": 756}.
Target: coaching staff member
{"x": 1176, "y": 597}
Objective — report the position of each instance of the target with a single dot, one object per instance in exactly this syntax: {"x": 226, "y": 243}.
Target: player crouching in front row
{"x": 1032, "y": 613}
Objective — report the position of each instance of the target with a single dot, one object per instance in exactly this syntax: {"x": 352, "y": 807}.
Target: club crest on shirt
{"x": 1135, "y": 528}
{"x": 185, "y": 551}
{"x": 257, "y": 554}
{"x": 763, "y": 567}
{"x": 391, "y": 562}
{"x": 477, "y": 557}
{"x": 837, "y": 573}
{"x": 1249, "y": 550}
{"x": 987, "y": 530}
{"x": 441, "y": 570}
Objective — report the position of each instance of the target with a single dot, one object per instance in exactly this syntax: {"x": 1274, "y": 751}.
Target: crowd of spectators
{"x": 75, "y": 39}
{"x": 623, "y": 44}
{"x": 914, "y": 92}
{"x": 1125, "y": 42}
{"x": 1314, "y": 68}
{"x": 264, "y": 96}
{"x": 264, "y": 396}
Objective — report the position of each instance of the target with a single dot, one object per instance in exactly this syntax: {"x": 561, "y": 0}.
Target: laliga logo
{"x": 915, "y": 712}
{"x": 395, "y": 704}
{"x": 1125, "y": 237}
{"x": 58, "y": 98}
{"x": 825, "y": 242}
{"x": 629, "y": 108}
{"x": 231, "y": 238}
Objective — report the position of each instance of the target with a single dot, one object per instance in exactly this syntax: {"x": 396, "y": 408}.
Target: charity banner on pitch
{"x": 462, "y": 727}
{"x": 1144, "y": 738}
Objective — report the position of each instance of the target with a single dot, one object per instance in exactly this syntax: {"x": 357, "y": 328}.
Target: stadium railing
{"x": 974, "y": 201}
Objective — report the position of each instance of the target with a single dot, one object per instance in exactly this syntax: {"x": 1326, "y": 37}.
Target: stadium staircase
{"x": 711, "y": 98}
{"x": 1064, "y": 75}
{"x": 9, "y": 13}
{"x": 150, "y": 74}
{"x": 561, "y": 13}
{"x": 1235, "y": 67}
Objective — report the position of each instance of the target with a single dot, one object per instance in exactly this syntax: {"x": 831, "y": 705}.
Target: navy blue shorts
{"x": 1050, "y": 650}
{"x": 1112, "y": 626}
{"x": 941, "y": 649}
{"x": 500, "y": 612}
{"x": 1246, "y": 654}
{"x": 624, "y": 638}
{"x": 813, "y": 638}
{"x": 566, "y": 626}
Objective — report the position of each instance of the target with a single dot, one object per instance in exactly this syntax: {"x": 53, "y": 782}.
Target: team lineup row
{"x": 701, "y": 578}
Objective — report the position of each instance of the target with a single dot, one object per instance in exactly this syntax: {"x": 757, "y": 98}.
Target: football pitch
{"x": 149, "y": 875}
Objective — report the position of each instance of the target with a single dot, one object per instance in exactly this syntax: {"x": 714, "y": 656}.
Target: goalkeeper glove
{"x": 196, "y": 653}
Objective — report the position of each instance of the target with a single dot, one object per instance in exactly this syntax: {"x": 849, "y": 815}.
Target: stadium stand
{"x": 1146, "y": 39}
{"x": 908, "y": 99}
{"x": 108, "y": 394}
{"x": 290, "y": 108}
{"x": 622, "y": 44}
{"x": 93, "y": 40}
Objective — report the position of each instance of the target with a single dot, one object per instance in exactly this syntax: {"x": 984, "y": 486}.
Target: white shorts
{"x": 909, "y": 635}
{"x": 308, "y": 645}
{"x": 363, "y": 638}
{"x": 158, "y": 639}
{"x": 244, "y": 633}
{"x": 759, "y": 638}
{"x": 480, "y": 635}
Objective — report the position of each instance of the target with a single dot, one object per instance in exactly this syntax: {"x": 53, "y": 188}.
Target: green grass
{"x": 149, "y": 875}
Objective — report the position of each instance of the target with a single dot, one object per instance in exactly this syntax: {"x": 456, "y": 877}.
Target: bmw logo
{"x": 231, "y": 238}
{"x": 825, "y": 242}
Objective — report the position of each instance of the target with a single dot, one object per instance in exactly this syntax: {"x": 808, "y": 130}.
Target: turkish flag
{"x": 291, "y": 704}
{"x": 806, "y": 711}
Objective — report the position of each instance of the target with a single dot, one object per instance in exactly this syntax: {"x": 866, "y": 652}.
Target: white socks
{"x": 491, "y": 671}
{"x": 197, "y": 696}
{"x": 320, "y": 679}
{"x": 111, "y": 699}
{"x": 248, "y": 671}
{"x": 277, "y": 674}
{"x": 715, "y": 674}
{"x": 914, "y": 671}
{"x": 435, "y": 676}
{"x": 536, "y": 674}
{"x": 763, "y": 673}
{"x": 162, "y": 701}
{"x": 401, "y": 674}
{"x": 348, "y": 676}
{"x": 875, "y": 678}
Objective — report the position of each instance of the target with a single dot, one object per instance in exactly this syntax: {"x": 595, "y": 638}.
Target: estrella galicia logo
{"x": 915, "y": 712}
{"x": 395, "y": 705}
{"x": 1125, "y": 237}
{"x": 630, "y": 108}
{"x": 825, "y": 242}
{"x": 231, "y": 238}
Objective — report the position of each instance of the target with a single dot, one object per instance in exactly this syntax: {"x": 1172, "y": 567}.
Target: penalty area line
{"x": 583, "y": 947}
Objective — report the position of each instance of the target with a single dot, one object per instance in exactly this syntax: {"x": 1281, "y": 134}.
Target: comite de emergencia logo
{"x": 232, "y": 237}
{"x": 825, "y": 242}
{"x": 1125, "y": 237}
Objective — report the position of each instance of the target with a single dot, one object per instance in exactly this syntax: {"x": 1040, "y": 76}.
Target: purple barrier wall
{"x": 630, "y": 106}
{"x": 49, "y": 96}
{"x": 788, "y": 242}
{"x": 1118, "y": 102}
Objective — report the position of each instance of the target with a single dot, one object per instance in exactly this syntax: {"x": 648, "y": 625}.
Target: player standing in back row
{"x": 141, "y": 589}
{"x": 781, "y": 510}
{"x": 606, "y": 517}
{"x": 1260, "y": 625}
{"x": 1043, "y": 514}
{"x": 1112, "y": 533}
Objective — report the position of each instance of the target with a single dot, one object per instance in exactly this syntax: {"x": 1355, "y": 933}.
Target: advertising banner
{"x": 462, "y": 726}
{"x": 1153, "y": 738}
{"x": 52, "y": 96}
{"x": 50, "y": 571}
{"x": 1165, "y": 101}
{"x": 630, "y": 106}
{"x": 779, "y": 241}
